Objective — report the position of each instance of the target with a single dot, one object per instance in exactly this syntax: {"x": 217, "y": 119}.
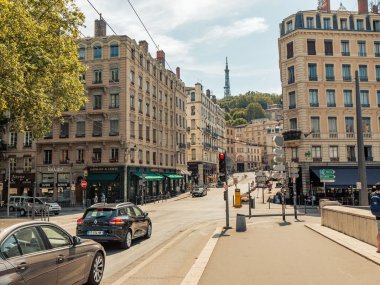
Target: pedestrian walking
{"x": 96, "y": 199}
{"x": 103, "y": 198}
{"x": 375, "y": 209}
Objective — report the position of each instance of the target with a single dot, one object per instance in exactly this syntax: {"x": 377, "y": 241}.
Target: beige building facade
{"x": 319, "y": 52}
{"x": 206, "y": 134}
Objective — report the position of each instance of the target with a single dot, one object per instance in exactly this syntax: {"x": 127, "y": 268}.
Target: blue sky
{"x": 198, "y": 35}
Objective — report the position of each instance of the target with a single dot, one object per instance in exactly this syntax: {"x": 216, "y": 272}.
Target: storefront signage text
{"x": 55, "y": 169}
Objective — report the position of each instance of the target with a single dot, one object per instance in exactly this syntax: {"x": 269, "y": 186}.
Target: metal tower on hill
{"x": 227, "y": 91}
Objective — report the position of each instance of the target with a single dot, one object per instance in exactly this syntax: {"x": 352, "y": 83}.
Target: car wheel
{"x": 22, "y": 212}
{"x": 127, "y": 241}
{"x": 97, "y": 269}
{"x": 11, "y": 208}
{"x": 56, "y": 214}
{"x": 148, "y": 231}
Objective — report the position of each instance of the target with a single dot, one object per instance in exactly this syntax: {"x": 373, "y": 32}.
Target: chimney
{"x": 100, "y": 27}
{"x": 144, "y": 46}
{"x": 178, "y": 72}
{"x": 208, "y": 93}
{"x": 363, "y": 7}
{"x": 375, "y": 9}
{"x": 161, "y": 57}
{"x": 324, "y": 5}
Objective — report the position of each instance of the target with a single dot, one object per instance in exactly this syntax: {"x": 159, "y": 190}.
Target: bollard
{"x": 240, "y": 223}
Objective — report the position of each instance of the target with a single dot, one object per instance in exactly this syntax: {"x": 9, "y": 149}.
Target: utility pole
{"x": 363, "y": 195}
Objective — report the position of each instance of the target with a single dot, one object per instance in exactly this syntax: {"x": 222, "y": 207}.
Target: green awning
{"x": 173, "y": 176}
{"x": 150, "y": 176}
{"x": 100, "y": 177}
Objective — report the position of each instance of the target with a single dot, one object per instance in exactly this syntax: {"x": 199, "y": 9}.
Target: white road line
{"x": 196, "y": 271}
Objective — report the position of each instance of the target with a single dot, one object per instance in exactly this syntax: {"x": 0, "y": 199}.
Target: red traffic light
{"x": 221, "y": 156}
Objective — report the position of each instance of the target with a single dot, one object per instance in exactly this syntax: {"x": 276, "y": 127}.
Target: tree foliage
{"x": 39, "y": 67}
{"x": 244, "y": 108}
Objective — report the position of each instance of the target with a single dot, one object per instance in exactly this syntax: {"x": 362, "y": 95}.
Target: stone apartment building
{"x": 206, "y": 134}
{"x": 319, "y": 52}
{"x": 129, "y": 139}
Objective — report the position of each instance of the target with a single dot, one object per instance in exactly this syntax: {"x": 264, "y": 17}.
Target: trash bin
{"x": 240, "y": 223}
{"x": 252, "y": 203}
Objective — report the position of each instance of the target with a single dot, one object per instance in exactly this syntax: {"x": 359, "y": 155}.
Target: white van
{"x": 25, "y": 204}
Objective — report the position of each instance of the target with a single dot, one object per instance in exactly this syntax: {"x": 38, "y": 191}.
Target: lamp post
{"x": 9, "y": 184}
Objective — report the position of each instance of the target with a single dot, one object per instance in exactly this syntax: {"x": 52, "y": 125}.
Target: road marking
{"x": 122, "y": 280}
{"x": 196, "y": 271}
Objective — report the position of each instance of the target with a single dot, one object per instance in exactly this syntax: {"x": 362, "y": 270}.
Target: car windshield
{"x": 199, "y": 189}
{"x": 47, "y": 199}
{"x": 98, "y": 213}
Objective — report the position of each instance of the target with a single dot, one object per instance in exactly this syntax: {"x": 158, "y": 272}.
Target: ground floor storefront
{"x": 202, "y": 173}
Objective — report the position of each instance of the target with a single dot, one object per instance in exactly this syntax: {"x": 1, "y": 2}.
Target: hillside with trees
{"x": 242, "y": 109}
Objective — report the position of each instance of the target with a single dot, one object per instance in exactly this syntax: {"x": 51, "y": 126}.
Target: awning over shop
{"x": 150, "y": 176}
{"x": 185, "y": 172}
{"x": 173, "y": 176}
{"x": 101, "y": 177}
{"x": 348, "y": 176}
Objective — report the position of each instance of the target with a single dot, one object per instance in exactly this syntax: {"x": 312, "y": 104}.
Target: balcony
{"x": 345, "y": 53}
{"x": 182, "y": 145}
{"x": 350, "y": 135}
{"x": 316, "y": 135}
{"x": 96, "y": 134}
{"x": 96, "y": 160}
{"x": 29, "y": 144}
{"x": 334, "y": 159}
{"x": 113, "y": 160}
{"x": 80, "y": 135}
{"x": 79, "y": 161}
{"x": 369, "y": 158}
{"x": 333, "y": 135}
{"x": 207, "y": 145}
{"x": 347, "y": 78}
{"x": 348, "y": 105}
{"x": 292, "y": 135}
{"x": 313, "y": 78}
{"x": 351, "y": 158}
{"x": 112, "y": 134}
{"x": 364, "y": 78}
{"x": 317, "y": 159}
{"x": 314, "y": 104}
{"x": 330, "y": 78}
{"x": 367, "y": 135}
{"x": 331, "y": 105}
{"x": 293, "y": 106}
{"x": 296, "y": 159}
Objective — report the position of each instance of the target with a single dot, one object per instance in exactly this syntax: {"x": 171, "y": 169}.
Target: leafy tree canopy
{"x": 39, "y": 67}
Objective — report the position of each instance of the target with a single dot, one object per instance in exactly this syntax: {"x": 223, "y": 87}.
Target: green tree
{"x": 255, "y": 111}
{"x": 238, "y": 121}
{"x": 39, "y": 67}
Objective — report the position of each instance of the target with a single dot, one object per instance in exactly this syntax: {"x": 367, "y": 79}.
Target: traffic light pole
{"x": 295, "y": 198}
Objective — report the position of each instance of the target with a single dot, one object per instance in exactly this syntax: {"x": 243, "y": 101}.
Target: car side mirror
{"x": 146, "y": 214}
{"x": 76, "y": 240}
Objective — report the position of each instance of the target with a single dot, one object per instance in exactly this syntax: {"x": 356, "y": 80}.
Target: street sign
{"x": 83, "y": 183}
{"x": 327, "y": 175}
{"x": 279, "y": 167}
{"x": 261, "y": 179}
{"x": 278, "y": 141}
{"x": 358, "y": 185}
{"x": 278, "y": 159}
{"x": 294, "y": 175}
{"x": 278, "y": 151}
{"x": 326, "y": 172}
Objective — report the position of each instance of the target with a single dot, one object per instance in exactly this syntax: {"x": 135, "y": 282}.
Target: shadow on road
{"x": 112, "y": 248}
{"x": 282, "y": 224}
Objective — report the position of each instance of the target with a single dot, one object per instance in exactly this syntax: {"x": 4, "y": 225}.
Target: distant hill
{"x": 244, "y": 108}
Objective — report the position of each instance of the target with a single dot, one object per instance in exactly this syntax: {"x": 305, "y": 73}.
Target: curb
{"x": 196, "y": 271}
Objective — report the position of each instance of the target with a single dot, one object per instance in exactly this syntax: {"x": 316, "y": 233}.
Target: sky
{"x": 198, "y": 35}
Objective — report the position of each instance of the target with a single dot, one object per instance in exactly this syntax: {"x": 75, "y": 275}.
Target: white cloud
{"x": 238, "y": 29}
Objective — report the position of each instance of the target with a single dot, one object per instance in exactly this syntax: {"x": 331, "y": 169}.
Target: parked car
{"x": 15, "y": 201}
{"x": 117, "y": 222}
{"x": 54, "y": 207}
{"x": 25, "y": 204}
{"x": 43, "y": 253}
{"x": 199, "y": 191}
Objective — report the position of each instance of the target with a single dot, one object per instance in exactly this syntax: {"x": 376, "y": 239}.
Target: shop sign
{"x": 55, "y": 169}
{"x": 46, "y": 185}
{"x": 63, "y": 184}
{"x": 103, "y": 169}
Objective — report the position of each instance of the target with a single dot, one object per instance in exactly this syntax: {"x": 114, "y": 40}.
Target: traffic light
{"x": 222, "y": 167}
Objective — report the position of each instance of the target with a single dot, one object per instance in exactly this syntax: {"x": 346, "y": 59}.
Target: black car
{"x": 118, "y": 222}
{"x": 199, "y": 191}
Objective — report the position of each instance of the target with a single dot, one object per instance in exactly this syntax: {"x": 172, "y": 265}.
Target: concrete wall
{"x": 357, "y": 223}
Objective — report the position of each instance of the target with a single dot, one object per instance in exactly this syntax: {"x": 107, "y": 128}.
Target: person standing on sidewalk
{"x": 375, "y": 209}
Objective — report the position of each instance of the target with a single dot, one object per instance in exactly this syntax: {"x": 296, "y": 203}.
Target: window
{"x": 346, "y": 72}
{"x": 313, "y": 98}
{"x": 310, "y": 22}
{"x": 326, "y": 23}
{"x": 81, "y": 53}
{"x": 140, "y": 82}
{"x": 114, "y": 127}
{"x": 57, "y": 238}
{"x": 330, "y": 98}
{"x": 81, "y": 129}
{"x": 140, "y": 131}
{"x": 147, "y": 109}
{"x": 64, "y": 130}
{"x": 154, "y": 112}
{"x": 132, "y": 101}
{"x": 362, "y": 48}
{"x": 64, "y": 159}
{"x": 311, "y": 47}
{"x": 329, "y": 72}
{"x": 141, "y": 60}
{"x": 114, "y": 155}
{"x": 48, "y": 156}
{"x": 329, "y": 47}
{"x": 13, "y": 139}
{"x": 12, "y": 163}
{"x": 293, "y": 124}
{"x": 291, "y": 78}
{"x": 289, "y": 50}
{"x": 332, "y": 122}
{"x": 351, "y": 153}
{"x": 333, "y": 151}
{"x": 289, "y": 26}
{"x": 345, "y": 48}
{"x": 377, "y": 71}
{"x": 140, "y": 154}
{"x": 343, "y": 24}
{"x": 29, "y": 240}
{"x": 192, "y": 95}
{"x": 97, "y": 76}
{"x": 312, "y": 68}
{"x": 132, "y": 129}
{"x": 366, "y": 126}
{"x": 377, "y": 49}
{"x": 147, "y": 89}
{"x": 140, "y": 106}
{"x": 147, "y": 133}
{"x": 368, "y": 153}
{"x": 10, "y": 247}
{"x": 28, "y": 139}
{"x": 378, "y": 99}
{"x": 80, "y": 155}
{"x": 376, "y": 26}
{"x": 154, "y": 135}
{"x": 97, "y": 155}
{"x": 154, "y": 91}
{"x": 292, "y": 100}
{"x": 27, "y": 164}
{"x": 315, "y": 125}
{"x": 132, "y": 53}
{"x": 364, "y": 98}
{"x": 360, "y": 24}
{"x": 349, "y": 122}
{"x": 97, "y": 52}
{"x": 294, "y": 151}
{"x": 154, "y": 158}
{"x": 114, "y": 50}
{"x": 97, "y": 102}
{"x": 363, "y": 74}
{"x": 147, "y": 156}
{"x": 192, "y": 110}
{"x": 114, "y": 100}
{"x": 97, "y": 128}
{"x": 316, "y": 153}
{"x": 114, "y": 75}
{"x": 347, "y": 94}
